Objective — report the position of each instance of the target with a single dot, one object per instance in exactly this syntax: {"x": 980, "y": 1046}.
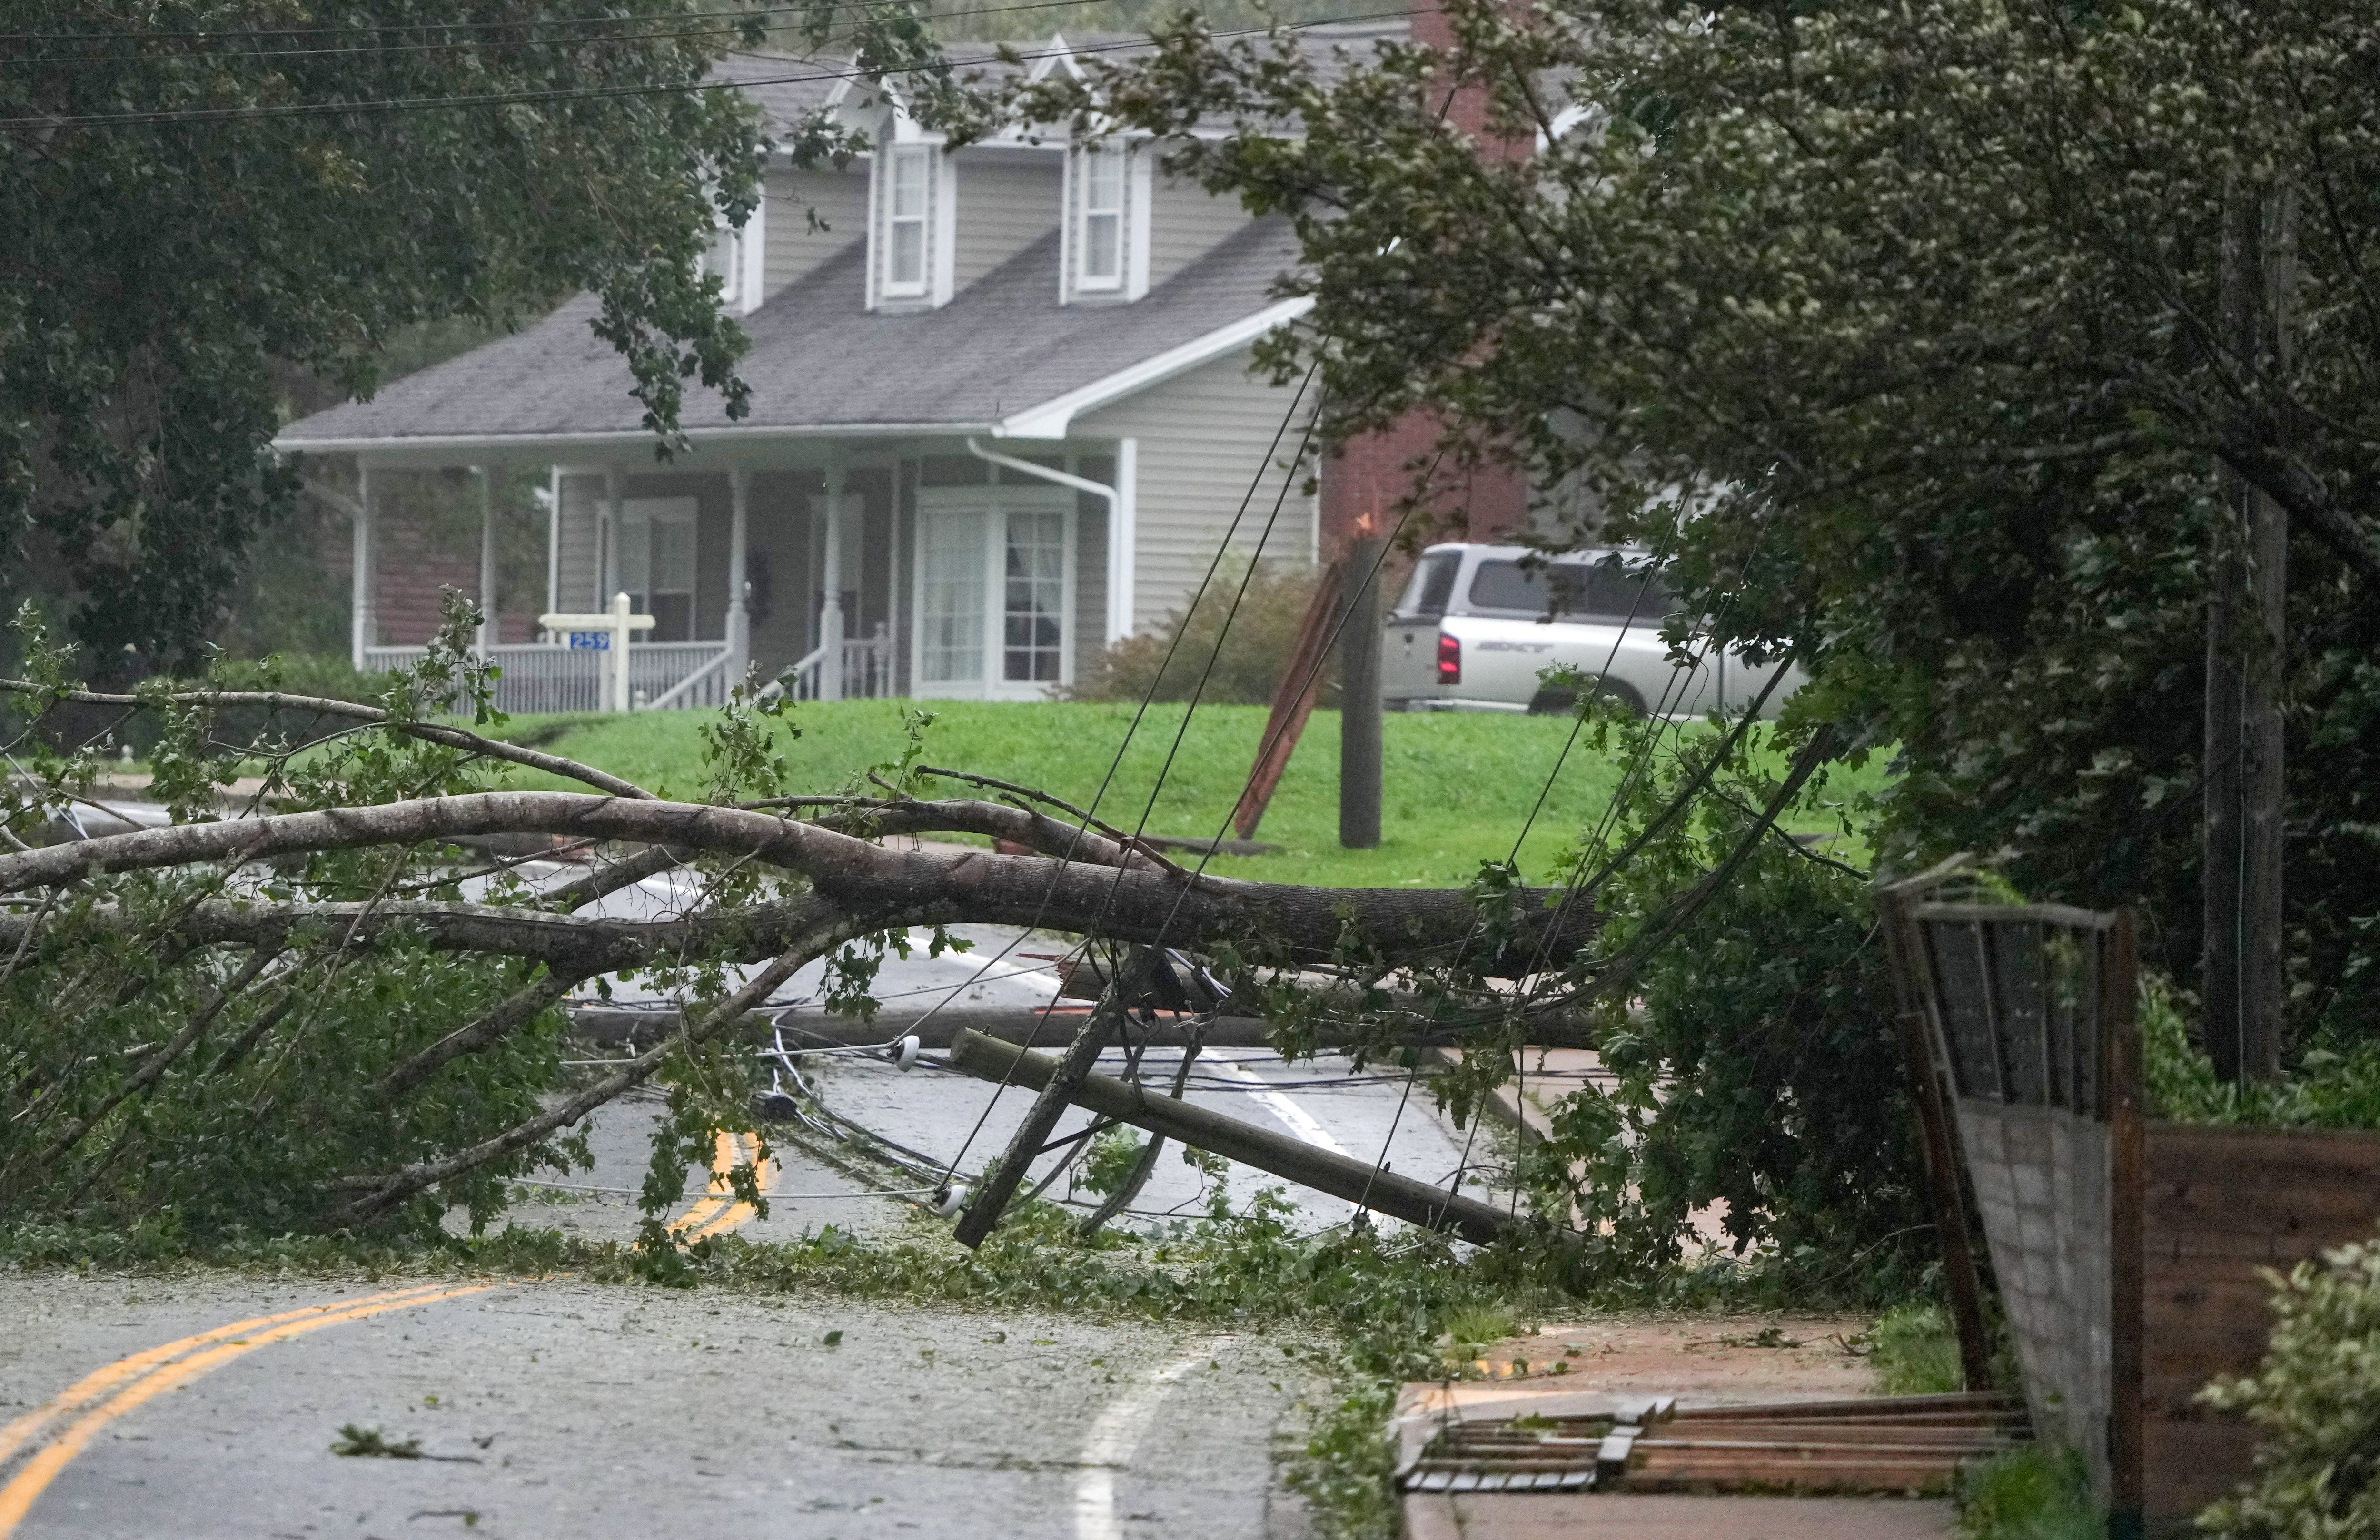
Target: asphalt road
{"x": 566, "y": 1409}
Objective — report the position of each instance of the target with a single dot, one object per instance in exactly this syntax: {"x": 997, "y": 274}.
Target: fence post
{"x": 1936, "y": 1139}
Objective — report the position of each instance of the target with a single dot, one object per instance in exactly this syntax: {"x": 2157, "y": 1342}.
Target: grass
{"x": 1916, "y": 1352}
{"x": 2029, "y": 1494}
{"x": 1458, "y": 787}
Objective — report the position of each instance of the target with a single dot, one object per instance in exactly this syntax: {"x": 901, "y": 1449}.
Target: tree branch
{"x": 429, "y": 732}
{"x": 871, "y": 888}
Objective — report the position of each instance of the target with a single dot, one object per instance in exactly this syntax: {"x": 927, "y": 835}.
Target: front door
{"x": 995, "y": 593}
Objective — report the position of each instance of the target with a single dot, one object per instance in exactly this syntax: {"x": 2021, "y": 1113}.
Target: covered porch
{"x": 930, "y": 566}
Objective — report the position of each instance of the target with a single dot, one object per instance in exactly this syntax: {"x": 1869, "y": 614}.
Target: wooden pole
{"x": 2243, "y": 985}
{"x": 1399, "y": 1198}
{"x": 1359, "y": 689}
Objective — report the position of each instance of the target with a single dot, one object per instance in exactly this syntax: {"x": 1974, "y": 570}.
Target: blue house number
{"x": 599, "y": 640}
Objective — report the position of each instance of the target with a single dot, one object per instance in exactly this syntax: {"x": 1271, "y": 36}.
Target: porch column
{"x": 830, "y": 613}
{"x": 739, "y": 618}
{"x": 490, "y": 631}
{"x": 607, "y": 536}
{"x": 553, "y": 538}
{"x": 364, "y": 621}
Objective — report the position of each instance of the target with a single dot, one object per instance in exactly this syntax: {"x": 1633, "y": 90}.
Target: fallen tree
{"x": 322, "y": 1004}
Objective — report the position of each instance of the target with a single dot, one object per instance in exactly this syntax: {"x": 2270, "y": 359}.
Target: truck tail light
{"x": 1450, "y": 659}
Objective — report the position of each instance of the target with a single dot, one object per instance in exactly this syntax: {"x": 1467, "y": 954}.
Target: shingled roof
{"x": 823, "y": 363}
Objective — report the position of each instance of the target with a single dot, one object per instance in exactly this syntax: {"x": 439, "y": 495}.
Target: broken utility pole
{"x": 1372, "y": 1187}
{"x": 2246, "y": 643}
{"x": 1123, "y": 991}
{"x": 1359, "y": 698}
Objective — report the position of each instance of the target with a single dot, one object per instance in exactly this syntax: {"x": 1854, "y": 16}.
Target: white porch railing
{"x": 661, "y": 675}
{"x": 867, "y": 668}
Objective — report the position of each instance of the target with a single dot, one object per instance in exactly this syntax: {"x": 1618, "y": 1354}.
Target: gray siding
{"x": 840, "y": 198}
{"x": 1202, "y": 436}
{"x": 1005, "y": 207}
{"x": 1185, "y": 223}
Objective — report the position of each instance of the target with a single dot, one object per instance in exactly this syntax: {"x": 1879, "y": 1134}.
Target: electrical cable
{"x": 661, "y": 34}
{"x": 380, "y": 106}
{"x": 1139, "y": 714}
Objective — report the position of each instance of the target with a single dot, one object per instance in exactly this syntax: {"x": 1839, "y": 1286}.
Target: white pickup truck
{"x": 1480, "y": 624}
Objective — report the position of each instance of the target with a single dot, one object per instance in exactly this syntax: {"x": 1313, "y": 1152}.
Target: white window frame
{"x": 1115, "y": 160}
{"x": 896, "y": 158}
{"x": 1135, "y": 186}
{"x": 740, "y": 258}
{"x": 994, "y": 504}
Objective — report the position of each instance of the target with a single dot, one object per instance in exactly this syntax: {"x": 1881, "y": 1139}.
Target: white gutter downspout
{"x": 1120, "y": 521}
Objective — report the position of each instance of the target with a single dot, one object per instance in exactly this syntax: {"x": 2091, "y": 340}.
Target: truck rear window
{"x": 1431, "y": 585}
{"x": 1567, "y": 591}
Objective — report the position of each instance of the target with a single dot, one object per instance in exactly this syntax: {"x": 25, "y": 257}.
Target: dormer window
{"x": 1106, "y": 241}
{"x": 736, "y": 257}
{"x": 1104, "y": 218}
{"x": 909, "y": 212}
{"x": 915, "y": 195}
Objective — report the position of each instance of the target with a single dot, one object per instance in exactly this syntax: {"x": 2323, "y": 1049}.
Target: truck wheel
{"x": 1552, "y": 702}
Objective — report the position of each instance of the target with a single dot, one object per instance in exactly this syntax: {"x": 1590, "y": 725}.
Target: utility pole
{"x": 2246, "y": 664}
{"x": 1359, "y": 687}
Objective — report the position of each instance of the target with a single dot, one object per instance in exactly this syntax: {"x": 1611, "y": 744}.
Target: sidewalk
{"x": 1702, "y": 1361}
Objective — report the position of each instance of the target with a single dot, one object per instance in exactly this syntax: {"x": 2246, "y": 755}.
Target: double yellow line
{"x": 129, "y": 1383}
{"x": 69, "y": 1420}
{"x": 720, "y": 1210}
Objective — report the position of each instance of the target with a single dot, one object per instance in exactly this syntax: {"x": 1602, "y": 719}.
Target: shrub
{"x": 1255, "y": 650}
{"x": 2334, "y": 1084}
{"x": 2317, "y": 1398}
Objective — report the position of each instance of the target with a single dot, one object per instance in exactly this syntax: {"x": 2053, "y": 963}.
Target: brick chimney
{"x": 1364, "y": 482}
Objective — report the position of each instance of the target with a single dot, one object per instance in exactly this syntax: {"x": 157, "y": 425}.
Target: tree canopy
{"x": 1901, "y": 329}
{"x": 203, "y": 195}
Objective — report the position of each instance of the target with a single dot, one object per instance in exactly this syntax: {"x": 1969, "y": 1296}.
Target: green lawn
{"x": 1459, "y": 787}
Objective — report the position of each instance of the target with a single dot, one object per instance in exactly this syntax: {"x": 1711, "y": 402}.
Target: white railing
{"x": 867, "y": 668}
{"x": 661, "y": 675}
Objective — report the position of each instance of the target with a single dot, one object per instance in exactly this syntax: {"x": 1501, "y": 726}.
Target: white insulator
{"x": 905, "y": 1055}
{"x": 950, "y": 1200}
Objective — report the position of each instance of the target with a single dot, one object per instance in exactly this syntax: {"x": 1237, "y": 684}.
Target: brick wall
{"x": 1367, "y": 483}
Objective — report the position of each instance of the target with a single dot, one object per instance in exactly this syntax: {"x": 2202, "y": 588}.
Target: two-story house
{"x": 1001, "y": 414}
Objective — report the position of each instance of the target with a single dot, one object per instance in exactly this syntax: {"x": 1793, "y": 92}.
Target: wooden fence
{"x": 2128, "y": 1253}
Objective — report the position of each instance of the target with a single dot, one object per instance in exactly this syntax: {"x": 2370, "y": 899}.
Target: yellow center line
{"x": 721, "y": 1211}
{"x": 18, "y": 1497}
{"x": 92, "y": 1387}
{"x": 738, "y": 1212}
{"x": 726, "y": 1154}
{"x": 135, "y": 1379}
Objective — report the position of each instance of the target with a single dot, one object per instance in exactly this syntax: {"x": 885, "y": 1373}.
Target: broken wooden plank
{"x": 1399, "y": 1196}
{"x": 1292, "y": 701}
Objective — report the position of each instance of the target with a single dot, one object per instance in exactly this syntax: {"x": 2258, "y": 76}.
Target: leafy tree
{"x": 1902, "y": 329}
{"x": 203, "y": 194}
